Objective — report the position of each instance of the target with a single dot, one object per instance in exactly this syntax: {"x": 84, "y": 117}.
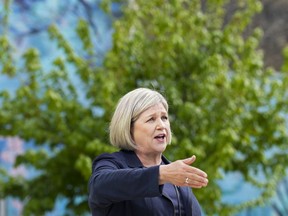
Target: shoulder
{"x": 115, "y": 156}
{"x": 118, "y": 159}
{"x": 120, "y": 155}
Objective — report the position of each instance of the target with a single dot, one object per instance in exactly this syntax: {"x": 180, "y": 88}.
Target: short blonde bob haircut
{"x": 127, "y": 111}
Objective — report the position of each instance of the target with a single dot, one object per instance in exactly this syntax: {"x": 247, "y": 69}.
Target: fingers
{"x": 190, "y": 160}
{"x": 180, "y": 173}
{"x": 196, "y": 171}
{"x": 191, "y": 176}
{"x": 196, "y": 181}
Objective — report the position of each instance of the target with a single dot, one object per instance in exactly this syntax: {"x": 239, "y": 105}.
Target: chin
{"x": 162, "y": 149}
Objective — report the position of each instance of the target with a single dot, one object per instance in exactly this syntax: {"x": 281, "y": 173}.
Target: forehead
{"x": 157, "y": 108}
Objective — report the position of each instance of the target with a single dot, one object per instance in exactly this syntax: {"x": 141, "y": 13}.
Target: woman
{"x": 138, "y": 180}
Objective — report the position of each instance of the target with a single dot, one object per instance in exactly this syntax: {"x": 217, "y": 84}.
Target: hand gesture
{"x": 181, "y": 173}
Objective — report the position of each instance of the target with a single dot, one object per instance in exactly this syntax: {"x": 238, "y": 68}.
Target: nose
{"x": 160, "y": 124}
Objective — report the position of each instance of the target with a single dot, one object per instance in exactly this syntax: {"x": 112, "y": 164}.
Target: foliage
{"x": 225, "y": 107}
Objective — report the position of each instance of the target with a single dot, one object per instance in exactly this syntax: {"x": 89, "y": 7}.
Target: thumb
{"x": 190, "y": 160}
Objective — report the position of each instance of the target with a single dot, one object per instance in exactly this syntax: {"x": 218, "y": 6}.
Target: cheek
{"x": 169, "y": 133}
{"x": 168, "y": 126}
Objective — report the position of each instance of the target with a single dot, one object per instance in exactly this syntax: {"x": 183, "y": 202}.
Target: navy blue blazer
{"x": 121, "y": 186}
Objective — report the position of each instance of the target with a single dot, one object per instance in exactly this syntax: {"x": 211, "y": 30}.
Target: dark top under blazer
{"x": 121, "y": 186}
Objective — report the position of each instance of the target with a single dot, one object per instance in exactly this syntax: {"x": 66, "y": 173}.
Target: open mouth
{"x": 160, "y": 137}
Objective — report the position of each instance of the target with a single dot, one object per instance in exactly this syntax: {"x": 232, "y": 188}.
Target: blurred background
{"x": 221, "y": 64}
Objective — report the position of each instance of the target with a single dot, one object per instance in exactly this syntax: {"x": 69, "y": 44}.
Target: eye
{"x": 164, "y": 118}
{"x": 150, "y": 120}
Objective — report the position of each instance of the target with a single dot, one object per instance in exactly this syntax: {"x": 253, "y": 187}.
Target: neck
{"x": 149, "y": 160}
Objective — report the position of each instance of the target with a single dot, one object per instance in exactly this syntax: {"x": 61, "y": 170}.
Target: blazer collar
{"x": 133, "y": 161}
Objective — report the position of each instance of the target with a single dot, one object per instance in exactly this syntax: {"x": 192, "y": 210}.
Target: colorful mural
{"x": 9, "y": 149}
{"x": 35, "y": 17}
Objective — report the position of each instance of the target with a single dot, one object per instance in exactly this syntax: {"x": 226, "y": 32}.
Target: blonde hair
{"x": 127, "y": 111}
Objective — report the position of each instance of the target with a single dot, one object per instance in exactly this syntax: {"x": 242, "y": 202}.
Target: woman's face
{"x": 151, "y": 131}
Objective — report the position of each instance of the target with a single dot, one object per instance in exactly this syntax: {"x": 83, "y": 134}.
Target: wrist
{"x": 162, "y": 174}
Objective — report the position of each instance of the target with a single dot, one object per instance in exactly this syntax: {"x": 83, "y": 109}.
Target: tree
{"x": 225, "y": 107}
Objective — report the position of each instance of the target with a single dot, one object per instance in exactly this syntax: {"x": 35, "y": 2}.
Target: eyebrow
{"x": 153, "y": 114}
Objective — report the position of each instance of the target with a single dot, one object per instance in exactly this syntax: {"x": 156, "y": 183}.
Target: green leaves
{"x": 225, "y": 107}
{"x": 84, "y": 34}
{"x": 285, "y": 65}
{"x": 7, "y": 62}
{"x": 83, "y": 164}
{"x": 32, "y": 61}
{"x": 214, "y": 79}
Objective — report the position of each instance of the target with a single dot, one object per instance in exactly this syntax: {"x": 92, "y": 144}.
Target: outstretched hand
{"x": 181, "y": 173}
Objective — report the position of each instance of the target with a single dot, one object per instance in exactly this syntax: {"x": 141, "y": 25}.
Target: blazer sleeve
{"x": 112, "y": 182}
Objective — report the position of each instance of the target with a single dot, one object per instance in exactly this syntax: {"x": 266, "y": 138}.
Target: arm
{"x": 112, "y": 183}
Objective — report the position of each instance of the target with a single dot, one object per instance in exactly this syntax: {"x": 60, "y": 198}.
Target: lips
{"x": 160, "y": 136}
